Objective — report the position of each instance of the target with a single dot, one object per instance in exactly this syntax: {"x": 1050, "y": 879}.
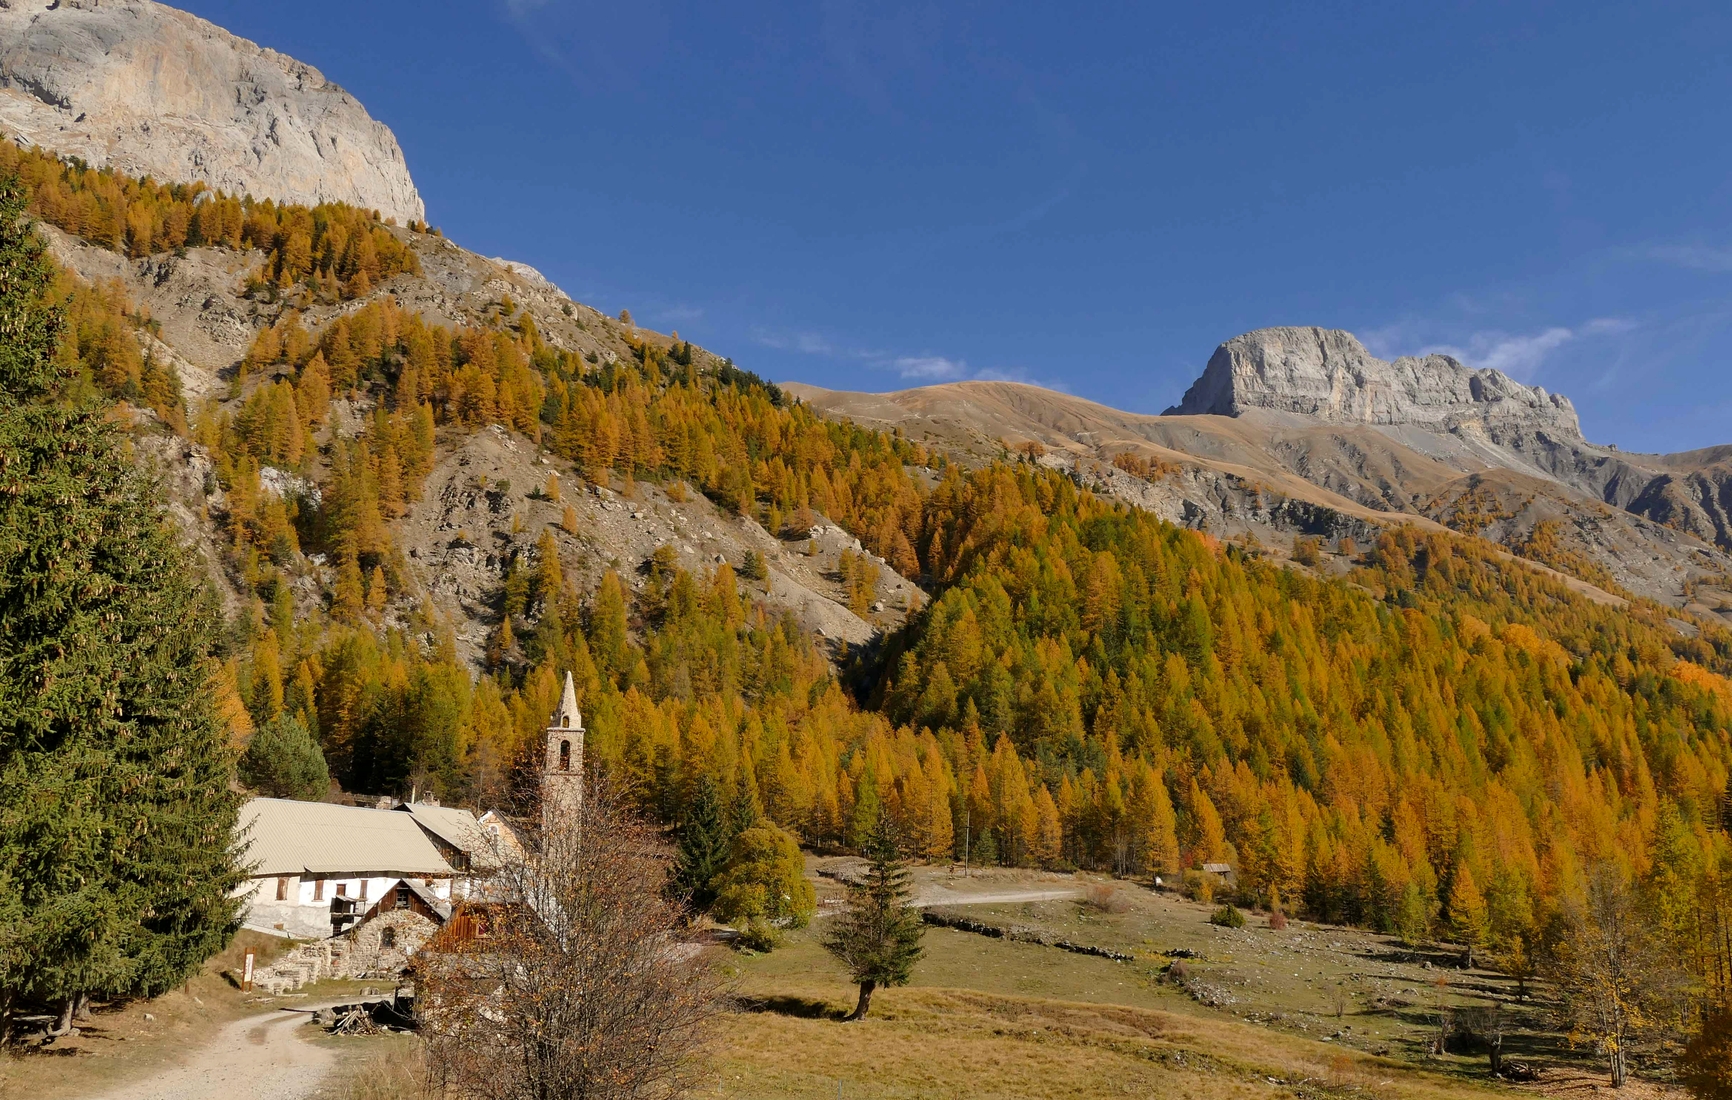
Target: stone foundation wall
{"x": 382, "y": 947}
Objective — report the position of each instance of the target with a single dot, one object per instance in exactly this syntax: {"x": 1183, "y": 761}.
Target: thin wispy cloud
{"x": 924, "y": 368}
{"x": 1522, "y": 356}
{"x": 931, "y": 368}
{"x": 1518, "y": 356}
{"x": 1695, "y": 257}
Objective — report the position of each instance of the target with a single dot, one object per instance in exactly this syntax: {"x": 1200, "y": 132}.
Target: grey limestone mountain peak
{"x": 1328, "y": 375}
{"x": 149, "y": 89}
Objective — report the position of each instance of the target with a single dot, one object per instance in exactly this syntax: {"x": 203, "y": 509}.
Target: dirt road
{"x": 266, "y": 1057}
{"x": 938, "y": 895}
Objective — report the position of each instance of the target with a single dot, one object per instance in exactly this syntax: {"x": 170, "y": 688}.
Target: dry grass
{"x": 992, "y": 1018}
{"x": 945, "y": 1042}
{"x": 1106, "y": 897}
{"x": 388, "y": 1067}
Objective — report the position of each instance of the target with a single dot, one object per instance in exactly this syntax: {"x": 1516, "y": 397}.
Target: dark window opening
{"x": 403, "y": 893}
{"x": 565, "y": 756}
{"x": 388, "y": 938}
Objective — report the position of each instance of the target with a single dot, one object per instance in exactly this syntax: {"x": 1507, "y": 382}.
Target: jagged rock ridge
{"x": 1327, "y": 374}
{"x": 149, "y": 89}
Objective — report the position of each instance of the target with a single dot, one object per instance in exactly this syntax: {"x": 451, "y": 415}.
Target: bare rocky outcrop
{"x": 1327, "y": 375}
{"x": 148, "y": 89}
{"x": 1289, "y": 446}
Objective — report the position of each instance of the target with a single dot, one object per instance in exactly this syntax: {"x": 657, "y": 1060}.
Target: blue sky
{"x": 874, "y": 196}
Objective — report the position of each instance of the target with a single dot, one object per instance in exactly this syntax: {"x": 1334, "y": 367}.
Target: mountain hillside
{"x": 155, "y": 91}
{"x": 1299, "y": 431}
{"x": 483, "y": 504}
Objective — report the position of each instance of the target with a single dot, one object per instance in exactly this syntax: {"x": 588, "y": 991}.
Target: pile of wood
{"x": 369, "y": 1017}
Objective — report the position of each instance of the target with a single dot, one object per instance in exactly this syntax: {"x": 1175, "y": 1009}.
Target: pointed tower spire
{"x": 568, "y": 718}
{"x": 562, "y": 773}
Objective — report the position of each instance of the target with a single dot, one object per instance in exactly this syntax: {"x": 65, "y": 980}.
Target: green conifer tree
{"x": 878, "y": 936}
{"x": 703, "y": 845}
{"x": 748, "y": 807}
{"x": 283, "y": 761}
{"x": 117, "y": 856}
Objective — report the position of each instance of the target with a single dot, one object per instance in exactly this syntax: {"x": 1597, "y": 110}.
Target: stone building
{"x": 315, "y": 869}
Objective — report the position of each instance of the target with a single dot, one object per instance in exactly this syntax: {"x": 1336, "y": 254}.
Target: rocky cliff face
{"x": 152, "y": 90}
{"x": 1327, "y": 375}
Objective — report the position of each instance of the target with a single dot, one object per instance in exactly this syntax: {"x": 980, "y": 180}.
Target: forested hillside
{"x": 1442, "y": 743}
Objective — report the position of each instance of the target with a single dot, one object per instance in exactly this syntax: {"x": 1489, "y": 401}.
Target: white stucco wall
{"x": 302, "y": 917}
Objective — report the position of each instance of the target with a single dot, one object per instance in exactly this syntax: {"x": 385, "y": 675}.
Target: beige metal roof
{"x": 458, "y": 828}
{"x": 284, "y": 837}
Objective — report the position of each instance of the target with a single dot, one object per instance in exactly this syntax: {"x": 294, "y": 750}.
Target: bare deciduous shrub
{"x": 1106, "y": 897}
{"x": 575, "y": 983}
{"x": 1340, "y": 1000}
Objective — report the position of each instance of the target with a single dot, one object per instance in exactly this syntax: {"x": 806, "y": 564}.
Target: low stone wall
{"x": 1020, "y": 935}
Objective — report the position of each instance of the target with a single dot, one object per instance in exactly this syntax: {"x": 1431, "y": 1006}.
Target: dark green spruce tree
{"x": 878, "y": 936}
{"x": 704, "y": 840}
{"x": 117, "y": 856}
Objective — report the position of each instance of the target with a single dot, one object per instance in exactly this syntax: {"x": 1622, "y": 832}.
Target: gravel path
{"x": 941, "y": 896}
{"x": 259, "y": 1058}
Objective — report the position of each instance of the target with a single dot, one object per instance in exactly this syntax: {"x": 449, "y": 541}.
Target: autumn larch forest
{"x": 1444, "y": 743}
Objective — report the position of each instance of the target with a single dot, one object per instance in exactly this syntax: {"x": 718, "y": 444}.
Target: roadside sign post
{"x": 247, "y": 974}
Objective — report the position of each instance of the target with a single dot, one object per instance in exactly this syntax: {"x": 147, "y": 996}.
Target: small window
{"x": 282, "y": 888}
{"x": 342, "y": 889}
{"x": 319, "y": 889}
{"x": 403, "y": 892}
{"x": 565, "y": 756}
{"x": 388, "y": 938}
{"x": 364, "y": 889}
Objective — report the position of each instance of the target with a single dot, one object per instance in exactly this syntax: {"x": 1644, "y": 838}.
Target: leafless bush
{"x": 574, "y": 982}
{"x": 1105, "y": 897}
{"x": 1340, "y": 1000}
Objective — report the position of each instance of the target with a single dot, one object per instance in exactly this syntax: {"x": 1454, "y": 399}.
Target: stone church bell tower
{"x": 562, "y": 771}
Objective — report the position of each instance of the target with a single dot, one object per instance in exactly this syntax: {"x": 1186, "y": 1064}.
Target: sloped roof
{"x": 457, "y": 828}
{"x": 284, "y": 837}
{"x": 433, "y": 901}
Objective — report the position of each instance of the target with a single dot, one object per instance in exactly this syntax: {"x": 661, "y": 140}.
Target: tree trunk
{"x": 1496, "y": 1047}
{"x": 1619, "y": 1072}
{"x": 1467, "y": 957}
{"x": 866, "y": 989}
{"x": 81, "y": 1007}
{"x": 64, "y": 1027}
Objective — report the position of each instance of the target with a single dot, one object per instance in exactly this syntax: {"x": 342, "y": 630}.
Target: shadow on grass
{"x": 804, "y": 1008}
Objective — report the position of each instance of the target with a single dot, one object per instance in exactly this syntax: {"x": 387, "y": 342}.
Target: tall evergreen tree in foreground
{"x": 116, "y": 818}
{"x": 878, "y": 936}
